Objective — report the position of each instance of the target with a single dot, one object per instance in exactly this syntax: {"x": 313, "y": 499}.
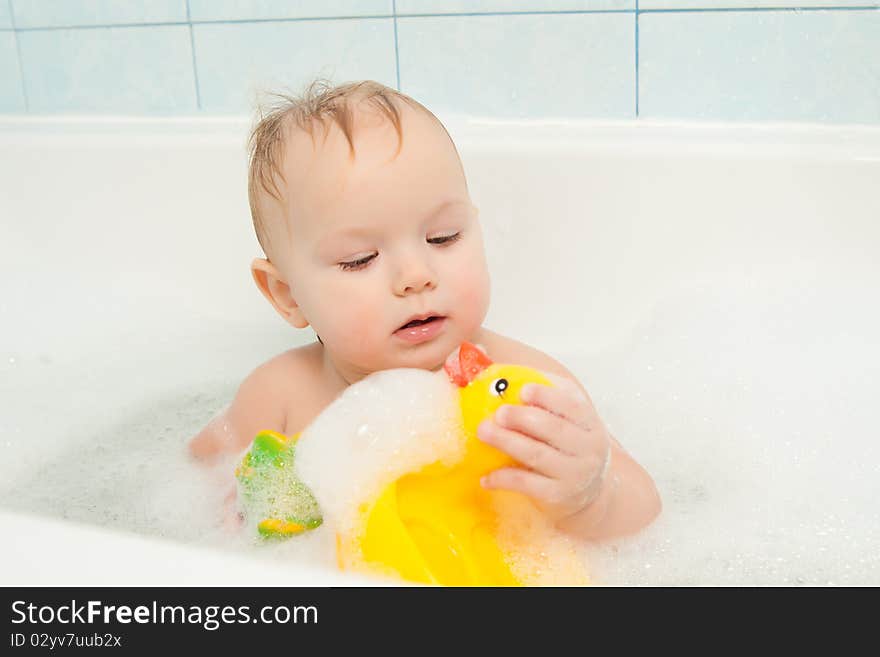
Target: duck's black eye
{"x": 499, "y": 386}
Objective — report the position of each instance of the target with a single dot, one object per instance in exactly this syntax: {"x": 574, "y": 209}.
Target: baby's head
{"x": 360, "y": 202}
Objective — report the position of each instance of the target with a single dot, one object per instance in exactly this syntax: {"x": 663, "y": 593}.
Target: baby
{"x": 360, "y": 203}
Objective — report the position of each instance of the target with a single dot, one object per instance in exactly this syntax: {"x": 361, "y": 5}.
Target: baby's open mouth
{"x": 419, "y": 322}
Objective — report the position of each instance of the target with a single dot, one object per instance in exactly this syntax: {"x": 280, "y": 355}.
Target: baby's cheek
{"x": 471, "y": 283}
{"x": 362, "y": 324}
{"x": 368, "y": 315}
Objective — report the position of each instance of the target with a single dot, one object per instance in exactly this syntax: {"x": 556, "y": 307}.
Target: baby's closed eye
{"x": 361, "y": 263}
{"x": 446, "y": 239}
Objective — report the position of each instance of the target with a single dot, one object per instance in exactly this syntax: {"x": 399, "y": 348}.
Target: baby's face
{"x": 377, "y": 240}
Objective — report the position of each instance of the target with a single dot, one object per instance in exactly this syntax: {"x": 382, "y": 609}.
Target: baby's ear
{"x": 277, "y": 292}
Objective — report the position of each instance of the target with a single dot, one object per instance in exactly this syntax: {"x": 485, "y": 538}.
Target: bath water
{"x": 748, "y": 400}
{"x": 751, "y": 403}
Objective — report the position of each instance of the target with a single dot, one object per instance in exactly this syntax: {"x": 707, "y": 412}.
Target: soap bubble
{"x": 390, "y": 423}
{"x": 766, "y": 461}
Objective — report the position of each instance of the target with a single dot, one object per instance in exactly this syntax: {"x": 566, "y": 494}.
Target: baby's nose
{"x": 425, "y": 284}
{"x": 415, "y": 278}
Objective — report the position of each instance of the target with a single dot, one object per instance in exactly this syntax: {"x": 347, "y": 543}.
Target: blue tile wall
{"x": 552, "y": 65}
{"x": 5, "y": 16}
{"x": 772, "y": 65}
{"x": 72, "y": 13}
{"x": 118, "y": 69}
{"x": 249, "y": 10}
{"x": 739, "y": 60}
{"x": 405, "y": 7}
{"x": 11, "y": 90}
{"x": 232, "y": 72}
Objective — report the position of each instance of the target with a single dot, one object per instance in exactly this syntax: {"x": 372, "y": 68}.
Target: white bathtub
{"x": 672, "y": 267}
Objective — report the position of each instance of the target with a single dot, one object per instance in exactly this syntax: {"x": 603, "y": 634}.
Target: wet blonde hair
{"x": 320, "y": 104}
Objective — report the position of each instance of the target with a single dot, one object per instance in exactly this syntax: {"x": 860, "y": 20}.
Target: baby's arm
{"x": 575, "y": 468}
{"x": 627, "y": 499}
{"x": 258, "y": 405}
{"x": 576, "y": 471}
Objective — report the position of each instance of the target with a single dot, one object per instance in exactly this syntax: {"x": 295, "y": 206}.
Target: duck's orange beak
{"x": 471, "y": 361}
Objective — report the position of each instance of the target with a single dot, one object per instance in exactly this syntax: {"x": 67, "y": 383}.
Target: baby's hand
{"x": 559, "y": 438}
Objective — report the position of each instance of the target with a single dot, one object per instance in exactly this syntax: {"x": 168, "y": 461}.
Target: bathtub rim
{"x": 96, "y": 556}
{"x": 855, "y": 140}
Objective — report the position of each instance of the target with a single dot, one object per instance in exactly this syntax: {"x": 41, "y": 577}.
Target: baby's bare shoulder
{"x": 285, "y": 366}
{"x": 289, "y": 374}
{"x": 296, "y": 377}
{"x": 270, "y": 397}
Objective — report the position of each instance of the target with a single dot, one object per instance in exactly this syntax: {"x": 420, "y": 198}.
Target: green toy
{"x": 269, "y": 490}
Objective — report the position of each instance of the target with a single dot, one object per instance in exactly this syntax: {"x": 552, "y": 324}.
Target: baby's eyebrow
{"x": 363, "y": 231}
{"x": 328, "y": 243}
{"x": 445, "y": 206}
{"x": 352, "y": 231}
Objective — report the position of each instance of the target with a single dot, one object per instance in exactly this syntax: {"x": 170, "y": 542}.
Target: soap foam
{"x": 389, "y": 423}
{"x": 750, "y": 402}
{"x": 396, "y": 422}
{"x": 538, "y": 554}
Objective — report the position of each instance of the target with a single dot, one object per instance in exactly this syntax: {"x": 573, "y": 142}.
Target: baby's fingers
{"x": 532, "y": 484}
{"x": 564, "y": 399}
{"x": 534, "y": 454}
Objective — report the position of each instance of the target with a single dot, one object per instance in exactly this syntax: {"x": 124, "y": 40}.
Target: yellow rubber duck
{"x": 439, "y": 525}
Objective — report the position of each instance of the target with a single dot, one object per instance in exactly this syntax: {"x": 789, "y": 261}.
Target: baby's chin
{"x": 431, "y": 364}
{"x": 425, "y": 357}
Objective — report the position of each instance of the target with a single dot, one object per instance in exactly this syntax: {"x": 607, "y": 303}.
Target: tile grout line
{"x": 797, "y": 10}
{"x": 192, "y": 47}
{"x": 396, "y": 47}
{"x": 27, "y": 105}
{"x": 252, "y": 21}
